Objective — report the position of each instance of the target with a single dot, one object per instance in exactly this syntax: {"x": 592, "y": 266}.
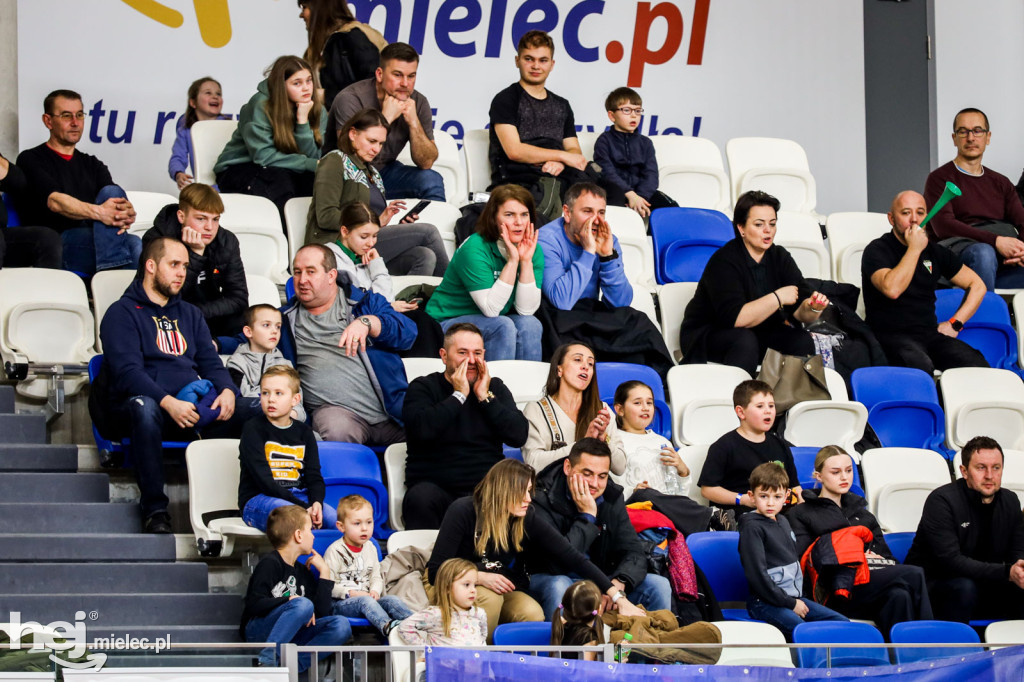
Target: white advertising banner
{"x": 714, "y": 68}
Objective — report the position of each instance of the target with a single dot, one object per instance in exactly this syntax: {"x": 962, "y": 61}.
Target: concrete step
{"x": 103, "y": 578}
{"x": 75, "y": 517}
{"x": 35, "y": 457}
{"x": 53, "y": 488}
{"x": 22, "y": 428}
{"x": 106, "y": 613}
{"x": 6, "y": 399}
{"x": 98, "y": 547}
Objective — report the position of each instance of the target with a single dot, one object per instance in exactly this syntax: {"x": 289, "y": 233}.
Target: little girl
{"x": 204, "y": 104}
{"x": 453, "y": 620}
{"x": 577, "y": 620}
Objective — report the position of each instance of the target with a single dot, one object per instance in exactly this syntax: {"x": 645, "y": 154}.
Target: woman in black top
{"x": 495, "y": 529}
{"x": 751, "y": 296}
{"x": 895, "y": 592}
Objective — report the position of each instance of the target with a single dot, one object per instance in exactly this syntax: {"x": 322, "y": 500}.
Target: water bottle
{"x": 673, "y": 486}
{"x": 625, "y": 647}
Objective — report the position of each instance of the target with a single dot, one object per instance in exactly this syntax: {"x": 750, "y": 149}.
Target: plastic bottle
{"x": 673, "y": 486}
{"x": 625, "y": 647}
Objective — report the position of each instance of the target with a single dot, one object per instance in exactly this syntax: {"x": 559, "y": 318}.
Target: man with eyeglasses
{"x": 983, "y": 225}
{"x": 73, "y": 193}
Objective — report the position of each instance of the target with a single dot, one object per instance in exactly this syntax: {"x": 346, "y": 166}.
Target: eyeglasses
{"x": 964, "y": 132}
{"x": 67, "y": 116}
{"x": 630, "y": 110}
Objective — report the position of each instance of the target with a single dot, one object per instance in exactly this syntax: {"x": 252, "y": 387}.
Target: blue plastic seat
{"x": 899, "y": 544}
{"x": 374, "y": 492}
{"x": 718, "y": 555}
{"x": 933, "y": 632}
{"x": 289, "y": 289}
{"x": 803, "y": 459}
{"x": 611, "y": 374}
{"x": 834, "y": 632}
{"x": 12, "y": 214}
{"x": 684, "y": 239}
{"x": 322, "y": 539}
{"x": 512, "y": 453}
{"x": 903, "y": 407}
{"x": 523, "y": 634}
{"x": 989, "y": 329}
{"x": 350, "y": 460}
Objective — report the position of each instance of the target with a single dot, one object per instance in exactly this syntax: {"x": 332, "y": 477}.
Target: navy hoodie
{"x": 155, "y": 350}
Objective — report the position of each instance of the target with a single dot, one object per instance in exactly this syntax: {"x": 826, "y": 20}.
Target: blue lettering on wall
{"x": 496, "y": 28}
{"x": 571, "y": 31}
{"x": 96, "y": 115}
{"x": 162, "y": 118}
{"x": 521, "y": 22}
{"x": 445, "y": 24}
{"x": 129, "y": 128}
{"x": 393, "y": 10}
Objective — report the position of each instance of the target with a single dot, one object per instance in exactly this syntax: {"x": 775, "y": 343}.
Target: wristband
{"x": 776, "y": 295}
{"x": 739, "y": 500}
{"x": 610, "y": 257}
{"x": 460, "y": 396}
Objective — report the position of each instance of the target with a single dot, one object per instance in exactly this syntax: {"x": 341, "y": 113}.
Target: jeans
{"x": 984, "y": 260}
{"x": 95, "y": 246}
{"x": 379, "y": 612}
{"x": 786, "y": 619}
{"x": 655, "y": 592}
{"x": 409, "y": 182}
{"x": 258, "y": 509}
{"x": 287, "y": 624}
{"x": 506, "y": 337}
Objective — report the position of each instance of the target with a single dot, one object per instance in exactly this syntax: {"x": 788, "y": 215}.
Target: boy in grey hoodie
{"x": 250, "y": 360}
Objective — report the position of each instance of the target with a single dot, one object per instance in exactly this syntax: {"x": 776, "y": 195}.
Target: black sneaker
{"x": 157, "y": 524}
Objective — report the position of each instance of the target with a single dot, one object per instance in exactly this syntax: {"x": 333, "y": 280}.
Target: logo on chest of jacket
{"x": 168, "y": 338}
{"x": 965, "y": 524}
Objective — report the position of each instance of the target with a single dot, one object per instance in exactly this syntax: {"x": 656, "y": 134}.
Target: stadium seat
{"x": 353, "y": 460}
{"x": 1013, "y": 470}
{"x": 803, "y": 459}
{"x": 899, "y": 543}
{"x": 147, "y": 205}
{"x": 701, "y": 400}
{"x": 295, "y": 213}
{"x": 289, "y": 289}
{"x": 903, "y": 407}
{"x": 981, "y": 401}
{"x": 800, "y": 234}
{"x": 402, "y": 661}
{"x": 694, "y": 456}
{"x": 611, "y": 374}
{"x": 1005, "y": 632}
{"x": 418, "y": 367}
{"x": 13, "y": 220}
{"x": 898, "y": 480}
{"x": 673, "y": 299}
{"x": 526, "y": 379}
{"x": 691, "y": 171}
{"x": 839, "y": 421}
{"x": 449, "y": 165}
{"x": 262, "y": 290}
{"x": 587, "y": 140}
{"x": 684, "y": 239}
{"x": 718, "y": 555}
{"x": 752, "y": 632}
{"x": 45, "y": 318}
{"x": 423, "y": 539}
{"x": 523, "y": 634}
{"x": 1018, "y": 316}
{"x": 213, "y": 473}
{"x": 257, "y": 224}
{"x": 394, "y": 466}
{"x": 772, "y": 165}
{"x": 107, "y": 287}
{"x": 833, "y": 632}
{"x": 637, "y": 252}
{"x": 440, "y": 214}
{"x": 989, "y": 329}
{"x": 932, "y": 632}
{"x": 400, "y": 282}
{"x": 476, "y": 145}
{"x": 848, "y": 234}
{"x": 512, "y": 453}
{"x": 208, "y": 140}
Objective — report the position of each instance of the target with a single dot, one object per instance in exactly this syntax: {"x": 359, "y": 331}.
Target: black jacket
{"x": 947, "y": 537}
{"x": 611, "y": 543}
{"x": 215, "y": 282}
{"x": 818, "y": 516}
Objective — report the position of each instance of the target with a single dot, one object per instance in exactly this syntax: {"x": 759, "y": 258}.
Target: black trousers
{"x": 277, "y": 184}
{"x": 962, "y": 599}
{"x": 425, "y": 504}
{"x": 896, "y": 594}
{"x": 745, "y": 347}
{"x": 929, "y": 351}
{"x": 687, "y": 516}
{"x": 30, "y": 247}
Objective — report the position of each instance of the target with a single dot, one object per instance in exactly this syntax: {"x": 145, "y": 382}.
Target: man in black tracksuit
{"x": 575, "y": 496}
{"x": 970, "y": 541}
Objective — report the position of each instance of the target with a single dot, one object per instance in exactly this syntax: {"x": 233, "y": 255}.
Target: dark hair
{"x": 398, "y": 52}
{"x": 487, "y": 223}
{"x": 747, "y": 201}
{"x": 460, "y": 327}
{"x": 533, "y": 39}
{"x": 581, "y": 188}
{"x": 325, "y": 17}
{"x": 590, "y": 404}
{"x": 746, "y": 390}
{"x": 156, "y": 249}
{"x": 588, "y": 446}
{"x": 622, "y": 395}
{"x": 283, "y": 522}
{"x": 52, "y": 97}
{"x": 619, "y": 96}
{"x": 975, "y": 444}
{"x": 361, "y": 121}
{"x": 769, "y": 476}
{"x": 356, "y": 214}
{"x": 329, "y": 261}
{"x": 193, "y": 91}
{"x": 579, "y": 608}
{"x": 971, "y": 110}
{"x": 249, "y": 316}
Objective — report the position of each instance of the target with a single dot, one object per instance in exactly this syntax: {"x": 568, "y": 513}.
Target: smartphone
{"x": 417, "y": 209}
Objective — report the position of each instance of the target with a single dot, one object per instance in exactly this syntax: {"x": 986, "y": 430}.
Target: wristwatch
{"x": 365, "y": 320}
{"x": 617, "y": 596}
{"x": 611, "y": 256}
{"x": 956, "y": 324}
{"x": 488, "y": 398}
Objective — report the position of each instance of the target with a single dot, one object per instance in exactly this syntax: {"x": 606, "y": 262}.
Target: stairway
{"x": 64, "y": 547}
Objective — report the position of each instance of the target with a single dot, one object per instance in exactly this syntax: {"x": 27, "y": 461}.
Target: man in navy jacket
{"x": 155, "y": 345}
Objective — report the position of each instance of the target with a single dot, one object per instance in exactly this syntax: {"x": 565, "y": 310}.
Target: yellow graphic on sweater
{"x": 212, "y": 15}
{"x": 285, "y": 462}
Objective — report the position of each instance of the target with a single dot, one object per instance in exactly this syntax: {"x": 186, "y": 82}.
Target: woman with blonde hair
{"x": 497, "y": 529}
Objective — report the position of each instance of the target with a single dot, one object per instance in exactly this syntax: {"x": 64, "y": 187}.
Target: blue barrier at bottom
{"x": 458, "y": 665}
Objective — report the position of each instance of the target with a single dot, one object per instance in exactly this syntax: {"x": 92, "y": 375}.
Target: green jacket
{"x": 340, "y": 180}
{"x": 253, "y": 140}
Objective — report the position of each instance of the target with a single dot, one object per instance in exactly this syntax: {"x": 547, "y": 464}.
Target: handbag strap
{"x": 549, "y": 413}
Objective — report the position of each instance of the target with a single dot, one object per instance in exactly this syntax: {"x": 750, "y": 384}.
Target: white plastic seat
{"x": 257, "y": 224}
{"x": 147, "y": 205}
{"x": 401, "y": 661}
{"x": 643, "y": 301}
{"x": 45, "y": 318}
{"x": 1005, "y": 632}
{"x": 587, "y": 140}
{"x": 701, "y": 400}
{"x": 440, "y": 214}
{"x": 296, "y": 210}
{"x": 637, "y": 248}
{"x": 1018, "y": 316}
{"x": 839, "y": 421}
{"x": 418, "y": 367}
{"x": 897, "y": 482}
{"x": 1013, "y": 470}
{"x": 982, "y": 401}
{"x": 848, "y": 234}
{"x": 753, "y": 632}
{"x": 394, "y": 468}
{"x": 213, "y": 473}
{"x": 672, "y": 300}
{"x": 449, "y": 165}
{"x": 800, "y": 234}
{"x": 772, "y": 165}
{"x": 694, "y": 457}
{"x": 107, "y": 287}
{"x": 691, "y": 171}
{"x": 262, "y": 290}
{"x": 476, "y": 145}
{"x": 208, "y": 140}
{"x": 525, "y": 379}
{"x": 423, "y": 539}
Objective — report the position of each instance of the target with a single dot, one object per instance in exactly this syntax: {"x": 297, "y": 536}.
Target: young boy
{"x": 251, "y": 359}
{"x": 625, "y": 158}
{"x": 283, "y": 597}
{"x": 279, "y": 457}
{"x": 358, "y": 582}
{"x": 723, "y": 480}
{"x": 769, "y": 558}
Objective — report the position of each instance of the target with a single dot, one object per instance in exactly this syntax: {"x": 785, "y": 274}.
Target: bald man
{"x": 900, "y": 272}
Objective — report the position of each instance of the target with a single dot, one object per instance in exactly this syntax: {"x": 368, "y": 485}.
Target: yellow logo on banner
{"x": 212, "y": 15}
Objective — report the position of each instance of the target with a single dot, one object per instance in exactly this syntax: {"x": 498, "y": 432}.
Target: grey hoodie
{"x": 246, "y": 367}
